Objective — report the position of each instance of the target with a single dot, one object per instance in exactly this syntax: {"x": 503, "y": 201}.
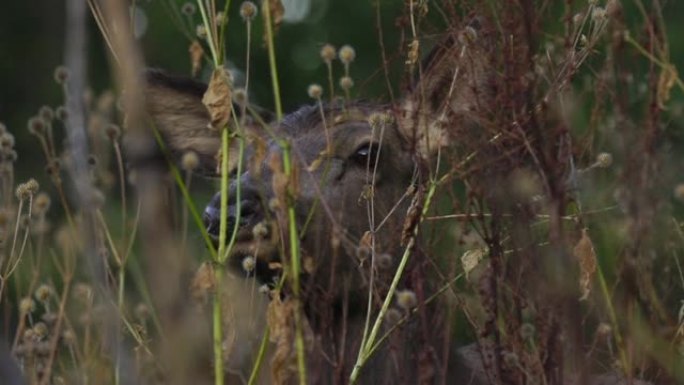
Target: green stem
{"x": 272, "y": 60}
{"x": 367, "y": 345}
{"x": 295, "y": 262}
{"x": 218, "y": 327}
{"x": 210, "y": 36}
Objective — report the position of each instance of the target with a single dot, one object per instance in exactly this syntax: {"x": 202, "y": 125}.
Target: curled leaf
{"x": 218, "y": 98}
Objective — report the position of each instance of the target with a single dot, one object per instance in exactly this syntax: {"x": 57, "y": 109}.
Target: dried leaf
{"x": 280, "y": 317}
{"x": 471, "y": 258}
{"x": 413, "y": 53}
{"x": 277, "y": 12}
{"x": 259, "y": 148}
{"x": 218, "y": 99}
{"x": 196, "y": 54}
{"x": 366, "y": 240}
{"x": 412, "y": 216}
{"x": 584, "y": 252}
{"x": 203, "y": 283}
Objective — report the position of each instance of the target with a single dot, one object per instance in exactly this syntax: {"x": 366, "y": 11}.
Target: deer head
{"x": 355, "y": 169}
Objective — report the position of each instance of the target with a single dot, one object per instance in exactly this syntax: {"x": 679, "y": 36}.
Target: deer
{"x": 361, "y": 171}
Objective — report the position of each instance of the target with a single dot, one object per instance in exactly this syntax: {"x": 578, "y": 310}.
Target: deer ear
{"x": 454, "y": 91}
{"x": 175, "y": 106}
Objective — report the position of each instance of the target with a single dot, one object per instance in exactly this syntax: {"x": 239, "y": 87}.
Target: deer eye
{"x": 365, "y": 155}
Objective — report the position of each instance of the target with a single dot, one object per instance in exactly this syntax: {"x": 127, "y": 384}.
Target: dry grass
{"x": 552, "y": 233}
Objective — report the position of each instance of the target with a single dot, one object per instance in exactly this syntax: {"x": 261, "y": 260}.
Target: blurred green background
{"x": 32, "y": 39}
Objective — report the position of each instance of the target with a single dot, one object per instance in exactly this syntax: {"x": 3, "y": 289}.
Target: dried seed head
{"x": 37, "y": 126}
{"x": 240, "y": 96}
{"x": 26, "y": 306}
{"x": 379, "y": 119}
{"x": 188, "y": 9}
{"x": 347, "y": 54}
{"x": 32, "y": 186}
{"x": 21, "y": 192}
{"x": 260, "y": 230}
{"x": 315, "y": 91}
{"x": 328, "y": 53}
{"x": 248, "y": 10}
{"x": 577, "y": 18}
{"x": 273, "y": 204}
{"x": 41, "y": 203}
{"x": 7, "y": 140}
{"x": 61, "y": 74}
{"x": 47, "y": 113}
{"x": 393, "y": 316}
{"x": 62, "y": 113}
{"x": 346, "y": 83}
{"x": 679, "y": 192}
{"x": 220, "y": 18}
{"x": 43, "y": 293}
{"x": 83, "y": 292}
{"x": 25, "y": 190}
{"x": 201, "y": 31}
{"x": 470, "y": 34}
{"x": 604, "y": 159}
{"x": 40, "y": 330}
{"x": 190, "y": 161}
{"x": 248, "y": 264}
{"x": 69, "y": 337}
{"x": 604, "y": 330}
{"x": 406, "y": 299}
{"x": 113, "y": 132}
{"x": 598, "y": 14}
{"x": 29, "y": 335}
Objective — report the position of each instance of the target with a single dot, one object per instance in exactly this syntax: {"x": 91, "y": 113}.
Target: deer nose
{"x": 242, "y": 214}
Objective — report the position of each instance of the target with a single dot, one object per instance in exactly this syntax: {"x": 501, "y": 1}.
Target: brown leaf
{"x": 259, "y": 149}
{"x": 196, "y": 54}
{"x": 218, "y": 99}
{"x": 586, "y": 256}
{"x": 280, "y": 317}
{"x": 277, "y": 12}
{"x": 412, "y": 216}
{"x": 366, "y": 240}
